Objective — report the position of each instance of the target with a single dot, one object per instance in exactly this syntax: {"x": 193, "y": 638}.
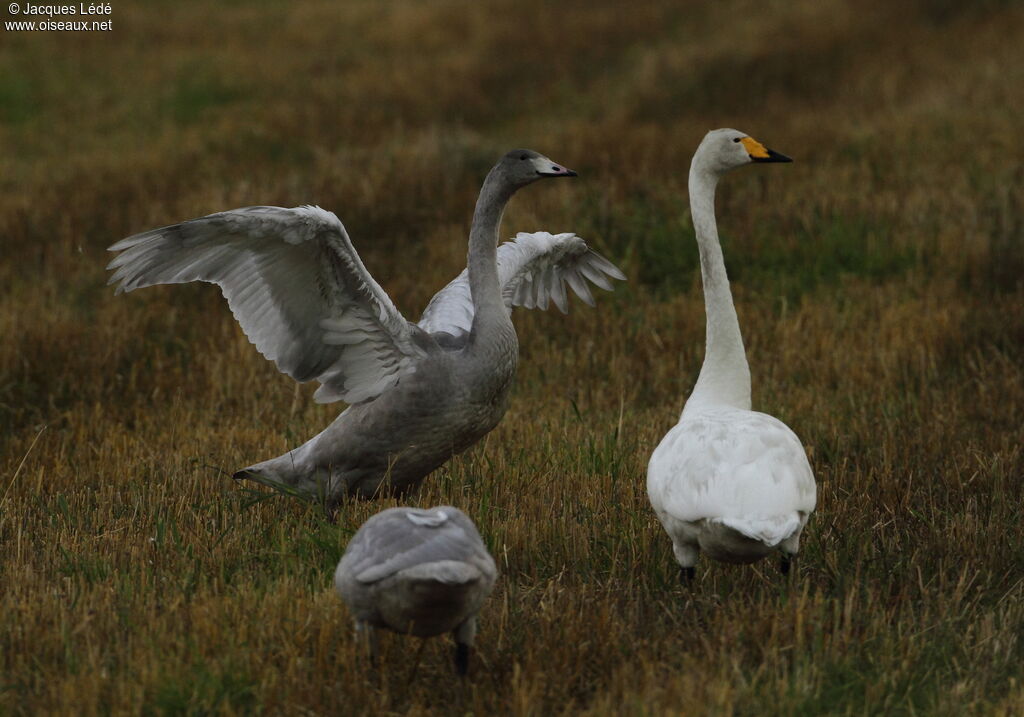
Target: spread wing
{"x": 533, "y": 270}
{"x": 295, "y": 285}
{"x": 402, "y": 539}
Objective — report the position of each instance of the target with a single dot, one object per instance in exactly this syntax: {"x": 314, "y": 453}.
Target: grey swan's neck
{"x": 482, "y": 263}
{"x": 725, "y": 376}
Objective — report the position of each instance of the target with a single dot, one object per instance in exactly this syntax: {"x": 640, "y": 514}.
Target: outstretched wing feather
{"x": 533, "y": 270}
{"x": 296, "y": 286}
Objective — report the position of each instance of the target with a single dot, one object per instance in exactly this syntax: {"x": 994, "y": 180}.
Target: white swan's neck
{"x": 482, "y": 262}
{"x": 725, "y": 376}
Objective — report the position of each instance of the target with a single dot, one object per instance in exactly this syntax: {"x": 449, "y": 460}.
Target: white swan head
{"x": 520, "y": 167}
{"x": 725, "y": 149}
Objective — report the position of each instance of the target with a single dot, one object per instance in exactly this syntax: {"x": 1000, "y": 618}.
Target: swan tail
{"x": 770, "y": 530}
{"x": 284, "y": 476}
{"x": 444, "y": 572}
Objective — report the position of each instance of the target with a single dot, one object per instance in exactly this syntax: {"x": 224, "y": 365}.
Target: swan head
{"x": 520, "y": 167}
{"x": 725, "y": 149}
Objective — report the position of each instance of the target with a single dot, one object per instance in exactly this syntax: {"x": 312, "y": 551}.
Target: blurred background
{"x": 389, "y": 113}
{"x": 878, "y": 280}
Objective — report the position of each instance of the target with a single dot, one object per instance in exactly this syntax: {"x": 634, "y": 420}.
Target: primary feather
{"x": 295, "y": 285}
{"x": 533, "y": 269}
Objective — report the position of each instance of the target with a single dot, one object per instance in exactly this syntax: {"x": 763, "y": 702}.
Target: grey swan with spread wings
{"x": 418, "y": 393}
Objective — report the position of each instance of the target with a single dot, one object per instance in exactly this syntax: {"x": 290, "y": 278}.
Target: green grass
{"x": 878, "y": 281}
{"x": 17, "y": 100}
{"x": 197, "y": 92}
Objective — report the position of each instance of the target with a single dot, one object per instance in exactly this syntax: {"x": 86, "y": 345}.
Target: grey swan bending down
{"x": 727, "y": 480}
{"x": 421, "y": 572}
{"x": 419, "y": 393}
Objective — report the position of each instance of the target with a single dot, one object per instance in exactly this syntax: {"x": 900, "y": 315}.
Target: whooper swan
{"x": 727, "y": 480}
{"x": 420, "y": 572}
{"x": 420, "y": 393}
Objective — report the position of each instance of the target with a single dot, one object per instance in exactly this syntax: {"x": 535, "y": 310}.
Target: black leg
{"x": 785, "y": 563}
{"x": 687, "y": 576}
{"x": 461, "y": 658}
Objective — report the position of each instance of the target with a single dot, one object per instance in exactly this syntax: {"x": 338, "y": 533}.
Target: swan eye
{"x": 523, "y": 156}
{"x": 735, "y": 139}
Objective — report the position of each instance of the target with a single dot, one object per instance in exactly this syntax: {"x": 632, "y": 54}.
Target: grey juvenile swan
{"x": 420, "y": 572}
{"x": 727, "y": 480}
{"x": 420, "y": 393}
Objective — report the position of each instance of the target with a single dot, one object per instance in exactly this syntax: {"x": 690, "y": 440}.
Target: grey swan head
{"x": 520, "y": 167}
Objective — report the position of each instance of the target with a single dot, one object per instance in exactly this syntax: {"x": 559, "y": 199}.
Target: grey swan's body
{"x": 418, "y": 572}
{"x": 726, "y": 480}
{"x": 419, "y": 393}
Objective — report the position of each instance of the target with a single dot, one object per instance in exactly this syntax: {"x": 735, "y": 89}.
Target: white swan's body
{"x": 419, "y": 572}
{"x": 727, "y": 480}
{"x": 734, "y": 483}
{"x": 420, "y": 393}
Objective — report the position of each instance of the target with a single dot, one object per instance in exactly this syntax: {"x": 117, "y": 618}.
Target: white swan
{"x": 727, "y": 480}
{"x": 420, "y": 392}
{"x": 419, "y": 572}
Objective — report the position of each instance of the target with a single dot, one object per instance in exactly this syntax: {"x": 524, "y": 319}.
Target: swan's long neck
{"x": 482, "y": 263}
{"x": 725, "y": 376}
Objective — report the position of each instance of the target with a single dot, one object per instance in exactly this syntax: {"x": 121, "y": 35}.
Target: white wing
{"x": 533, "y": 269}
{"x": 297, "y": 287}
{"x": 745, "y": 469}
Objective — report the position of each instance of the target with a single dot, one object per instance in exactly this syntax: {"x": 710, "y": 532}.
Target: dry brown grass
{"x": 878, "y": 281}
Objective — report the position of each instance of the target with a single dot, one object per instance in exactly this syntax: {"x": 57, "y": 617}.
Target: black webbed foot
{"x": 785, "y": 563}
{"x": 461, "y": 658}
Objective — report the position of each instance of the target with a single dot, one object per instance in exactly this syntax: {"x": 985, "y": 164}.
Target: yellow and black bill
{"x": 759, "y": 153}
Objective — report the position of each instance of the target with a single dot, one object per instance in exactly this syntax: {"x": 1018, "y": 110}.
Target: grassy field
{"x": 879, "y": 281}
